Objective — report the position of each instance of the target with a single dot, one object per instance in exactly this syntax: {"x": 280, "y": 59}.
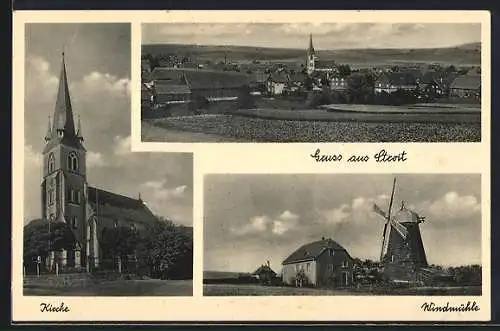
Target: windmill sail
{"x": 379, "y": 210}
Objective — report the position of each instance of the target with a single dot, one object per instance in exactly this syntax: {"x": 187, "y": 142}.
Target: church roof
{"x": 313, "y": 250}
{"x": 115, "y": 206}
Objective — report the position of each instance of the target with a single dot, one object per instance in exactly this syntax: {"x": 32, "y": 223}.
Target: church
{"x": 67, "y": 197}
{"x": 314, "y": 65}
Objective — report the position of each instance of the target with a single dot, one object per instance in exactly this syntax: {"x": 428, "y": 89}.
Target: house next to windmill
{"x": 67, "y": 197}
{"x": 322, "y": 263}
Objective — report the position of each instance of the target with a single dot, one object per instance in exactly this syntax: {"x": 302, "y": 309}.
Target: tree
{"x": 37, "y": 238}
{"x": 344, "y": 70}
{"x": 167, "y": 250}
{"x": 359, "y": 87}
{"x": 245, "y": 99}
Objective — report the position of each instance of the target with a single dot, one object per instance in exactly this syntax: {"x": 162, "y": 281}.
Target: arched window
{"x": 72, "y": 162}
{"x": 51, "y": 163}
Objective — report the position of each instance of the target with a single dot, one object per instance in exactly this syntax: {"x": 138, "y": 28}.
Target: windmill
{"x": 401, "y": 243}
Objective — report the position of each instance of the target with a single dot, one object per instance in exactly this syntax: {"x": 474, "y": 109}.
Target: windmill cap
{"x": 406, "y": 216}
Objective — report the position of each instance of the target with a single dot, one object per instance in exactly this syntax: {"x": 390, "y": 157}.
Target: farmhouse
{"x": 201, "y": 83}
{"x": 276, "y": 83}
{"x": 466, "y": 86}
{"x": 392, "y": 81}
{"x": 320, "y": 263}
{"x": 265, "y": 274}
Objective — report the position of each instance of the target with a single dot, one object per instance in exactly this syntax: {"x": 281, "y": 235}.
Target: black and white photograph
{"x": 342, "y": 234}
{"x": 311, "y": 82}
{"x": 99, "y": 220}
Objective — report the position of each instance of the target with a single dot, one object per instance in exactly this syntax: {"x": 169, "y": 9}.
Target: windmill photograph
{"x": 342, "y": 234}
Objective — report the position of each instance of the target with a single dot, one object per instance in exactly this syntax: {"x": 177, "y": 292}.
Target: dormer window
{"x": 72, "y": 162}
{"x": 330, "y": 252}
{"x": 51, "y": 163}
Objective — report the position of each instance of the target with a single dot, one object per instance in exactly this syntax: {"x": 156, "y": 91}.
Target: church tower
{"x": 64, "y": 184}
{"x": 311, "y": 57}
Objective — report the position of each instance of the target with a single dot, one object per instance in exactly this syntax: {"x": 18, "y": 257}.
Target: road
{"x": 151, "y": 287}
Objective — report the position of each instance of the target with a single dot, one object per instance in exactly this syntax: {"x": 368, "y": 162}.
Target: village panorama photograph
{"x": 342, "y": 234}
{"x": 317, "y": 82}
{"x": 99, "y": 220}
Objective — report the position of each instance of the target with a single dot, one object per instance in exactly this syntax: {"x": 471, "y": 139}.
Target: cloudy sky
{"x": 98, "y": 68}
{"x": 326, "y": 36}
{"x": 253, "y": 218}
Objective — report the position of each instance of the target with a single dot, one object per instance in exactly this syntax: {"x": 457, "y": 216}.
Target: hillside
{"x": 467, "y": 54}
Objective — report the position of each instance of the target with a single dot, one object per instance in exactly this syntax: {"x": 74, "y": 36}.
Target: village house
{"x": 392, "y": 81}
{"x": 276, "y": 83}
{"x": 265, "y": 274}
{"x": 179, "y": 83}
{"x": 435, "y": 83}
{"x": 466, "y": 86}
{"x": 322, "y": 263}
{"x": 338, "y": 83}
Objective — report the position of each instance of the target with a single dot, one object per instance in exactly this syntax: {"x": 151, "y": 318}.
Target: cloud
{"x": 95, "y": 159}
{"x": 263, "y": 224}
{"x": 285, "y": 222}
{"x": 122, "y": 145}
{"x": 31, "y": 158}
{"x": 450, "y": 206}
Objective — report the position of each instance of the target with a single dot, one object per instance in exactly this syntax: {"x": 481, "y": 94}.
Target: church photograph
{"x": 99, "y": 219}
{"x": 342, "y": 234}
{"x": 310, "y": 82}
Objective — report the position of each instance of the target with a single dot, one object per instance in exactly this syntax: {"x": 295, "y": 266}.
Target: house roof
{"x": 312, "y": 250}
{"x": 416, "y": 73}
{"x": 330, "y": 64}
{"x": 201, "y": 78}
{"x": 279, "y": 77}
{"x": 467, "y": 82}
{"x": 398, "y": 78}
{"x": 171, "y": 89}
{"x": 263, "y": 269}
{"x": 298, "y": 77}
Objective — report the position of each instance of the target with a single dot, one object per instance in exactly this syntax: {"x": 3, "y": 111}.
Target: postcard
{"x": 238, "y": 166}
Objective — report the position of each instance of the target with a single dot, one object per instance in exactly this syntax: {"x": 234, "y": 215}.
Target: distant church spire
{"x": 311, "y": 47}
{"x": 63, "y": 123}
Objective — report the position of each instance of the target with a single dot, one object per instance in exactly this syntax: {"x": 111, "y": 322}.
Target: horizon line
{"x": 316, "y": 48}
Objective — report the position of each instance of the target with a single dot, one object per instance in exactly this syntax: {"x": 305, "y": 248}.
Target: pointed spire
{"x": 79, "y": 133}
{"x": 311, "y": 48}
{"x": 49, "y": 132}
{"x": 63, "y": 123}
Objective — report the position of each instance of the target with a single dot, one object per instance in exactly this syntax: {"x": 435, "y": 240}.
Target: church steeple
{"x": 63, "y": 124}
{"x": 310, "y": 50}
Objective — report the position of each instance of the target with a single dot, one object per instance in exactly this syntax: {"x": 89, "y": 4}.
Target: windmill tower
{"x": 402, "y": 253}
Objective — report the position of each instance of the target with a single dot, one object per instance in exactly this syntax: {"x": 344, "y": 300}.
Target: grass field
{"x": 151, "y": 287}
{"x": 273, "y": 126}
{"x": 259, "y": 290}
